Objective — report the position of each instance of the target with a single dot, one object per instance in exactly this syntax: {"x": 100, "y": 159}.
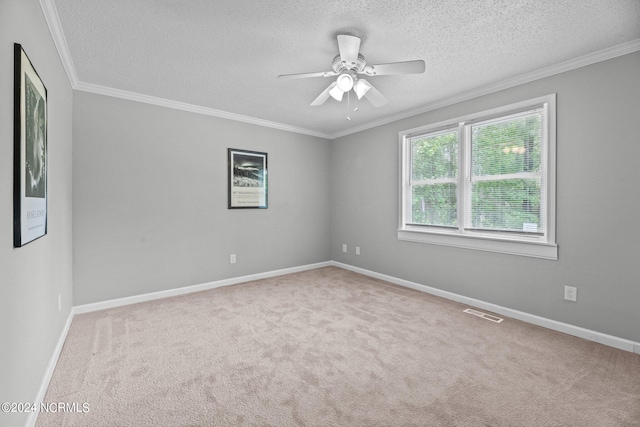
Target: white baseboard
{"x": 48, "y": 373}
{"x": 103, "y": 305}
{"x": 609, "y": 340}
{"x": 587, "y": 334}
{"x": 86, "y": 308}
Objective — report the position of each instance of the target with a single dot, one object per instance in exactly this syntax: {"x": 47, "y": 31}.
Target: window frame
{"x": 534, "y": 245}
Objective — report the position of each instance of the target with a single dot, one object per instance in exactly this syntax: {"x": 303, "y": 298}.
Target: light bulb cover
{"x": 361, "y": 88}
{"x": 336, "y": 93}
{"x": 344, "y": 82}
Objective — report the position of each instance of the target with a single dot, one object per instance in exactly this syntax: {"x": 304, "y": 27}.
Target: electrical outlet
{"x": 232, "y": 258}
{"x": 571, "y": 293}
{"x": 357, "y": 250}
{"x": 344, "y": 248}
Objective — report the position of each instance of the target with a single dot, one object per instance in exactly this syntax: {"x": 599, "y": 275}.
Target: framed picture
{"x": 247, "y": 179}
{"x": 30, "y": 152}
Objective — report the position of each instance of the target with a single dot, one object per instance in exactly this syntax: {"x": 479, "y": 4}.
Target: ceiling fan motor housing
{"x": 339, "y": 66}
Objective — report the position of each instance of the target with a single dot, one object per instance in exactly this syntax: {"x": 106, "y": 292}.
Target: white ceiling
{"x": 223, "y": 56}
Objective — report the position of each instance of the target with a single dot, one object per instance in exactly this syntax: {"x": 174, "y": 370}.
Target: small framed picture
{"x": 247, "y": 171}
{"x": 30, "y": 152}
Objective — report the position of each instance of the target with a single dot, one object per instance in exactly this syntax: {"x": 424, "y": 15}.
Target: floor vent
{"x": 495, "y": 319}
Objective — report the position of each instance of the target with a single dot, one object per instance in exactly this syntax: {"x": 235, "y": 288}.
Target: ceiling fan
{"x": 348, "y": 66}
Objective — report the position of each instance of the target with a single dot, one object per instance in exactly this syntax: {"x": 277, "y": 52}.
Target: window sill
{"x": 519, "y": 247}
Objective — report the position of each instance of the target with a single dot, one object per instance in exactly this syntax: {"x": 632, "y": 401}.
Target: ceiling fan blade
{"x": 374, "y": 96}
{"x": 336, "y": 93}
{"x": 349, "y": 47}
{"x": 305, "y": 75}
{"x": 408, "y": 67}
{"x": 323, "y": 96}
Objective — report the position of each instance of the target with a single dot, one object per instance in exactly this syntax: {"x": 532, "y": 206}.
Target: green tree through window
{"x": 483, "y": 181}
{"x": 434, "y": 175}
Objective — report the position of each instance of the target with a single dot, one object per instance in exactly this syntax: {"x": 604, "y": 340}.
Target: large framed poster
{"x": 30, "y": 152}
{"x": 247, "y": 179}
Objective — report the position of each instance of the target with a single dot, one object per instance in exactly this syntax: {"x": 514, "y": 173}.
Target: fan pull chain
{"x": 348, "y": 105}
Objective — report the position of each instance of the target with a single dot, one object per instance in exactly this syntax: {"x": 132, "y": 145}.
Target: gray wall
{"x": 32, "y": 277}
{"x": 598, "y": 206}
{"x": 150, "y": 200}
{"x": 149, "y": 208}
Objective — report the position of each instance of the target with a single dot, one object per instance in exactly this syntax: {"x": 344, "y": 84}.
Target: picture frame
{"x": 30, "y": 164}
{"x": 247, "y": 179}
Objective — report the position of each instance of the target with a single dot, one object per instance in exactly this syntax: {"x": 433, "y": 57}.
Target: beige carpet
{"x": 329, "y": 347}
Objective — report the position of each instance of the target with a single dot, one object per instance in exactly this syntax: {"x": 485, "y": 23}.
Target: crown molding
{"x": 162, "y": 102}
{"x": 572, "y": 64}
{"x": 53, "y": 21}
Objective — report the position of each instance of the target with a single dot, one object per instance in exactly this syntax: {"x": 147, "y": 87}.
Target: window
{"x": 484, "y": 181}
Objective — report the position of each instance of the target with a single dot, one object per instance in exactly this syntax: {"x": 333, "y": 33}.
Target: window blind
{"x": 505, "y": 180}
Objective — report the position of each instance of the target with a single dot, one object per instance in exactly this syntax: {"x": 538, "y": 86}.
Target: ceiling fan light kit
{"x": 335, "y": 92}
{"x": 348, "y": 65}
{"x": 344, "y": 82}
{"x": 361, "y": 88}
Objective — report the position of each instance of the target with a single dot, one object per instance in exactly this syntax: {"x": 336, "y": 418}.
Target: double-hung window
{"x": 484, "y": 181}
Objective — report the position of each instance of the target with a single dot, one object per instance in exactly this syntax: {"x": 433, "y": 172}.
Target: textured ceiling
{"x": 226, "y": 54}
